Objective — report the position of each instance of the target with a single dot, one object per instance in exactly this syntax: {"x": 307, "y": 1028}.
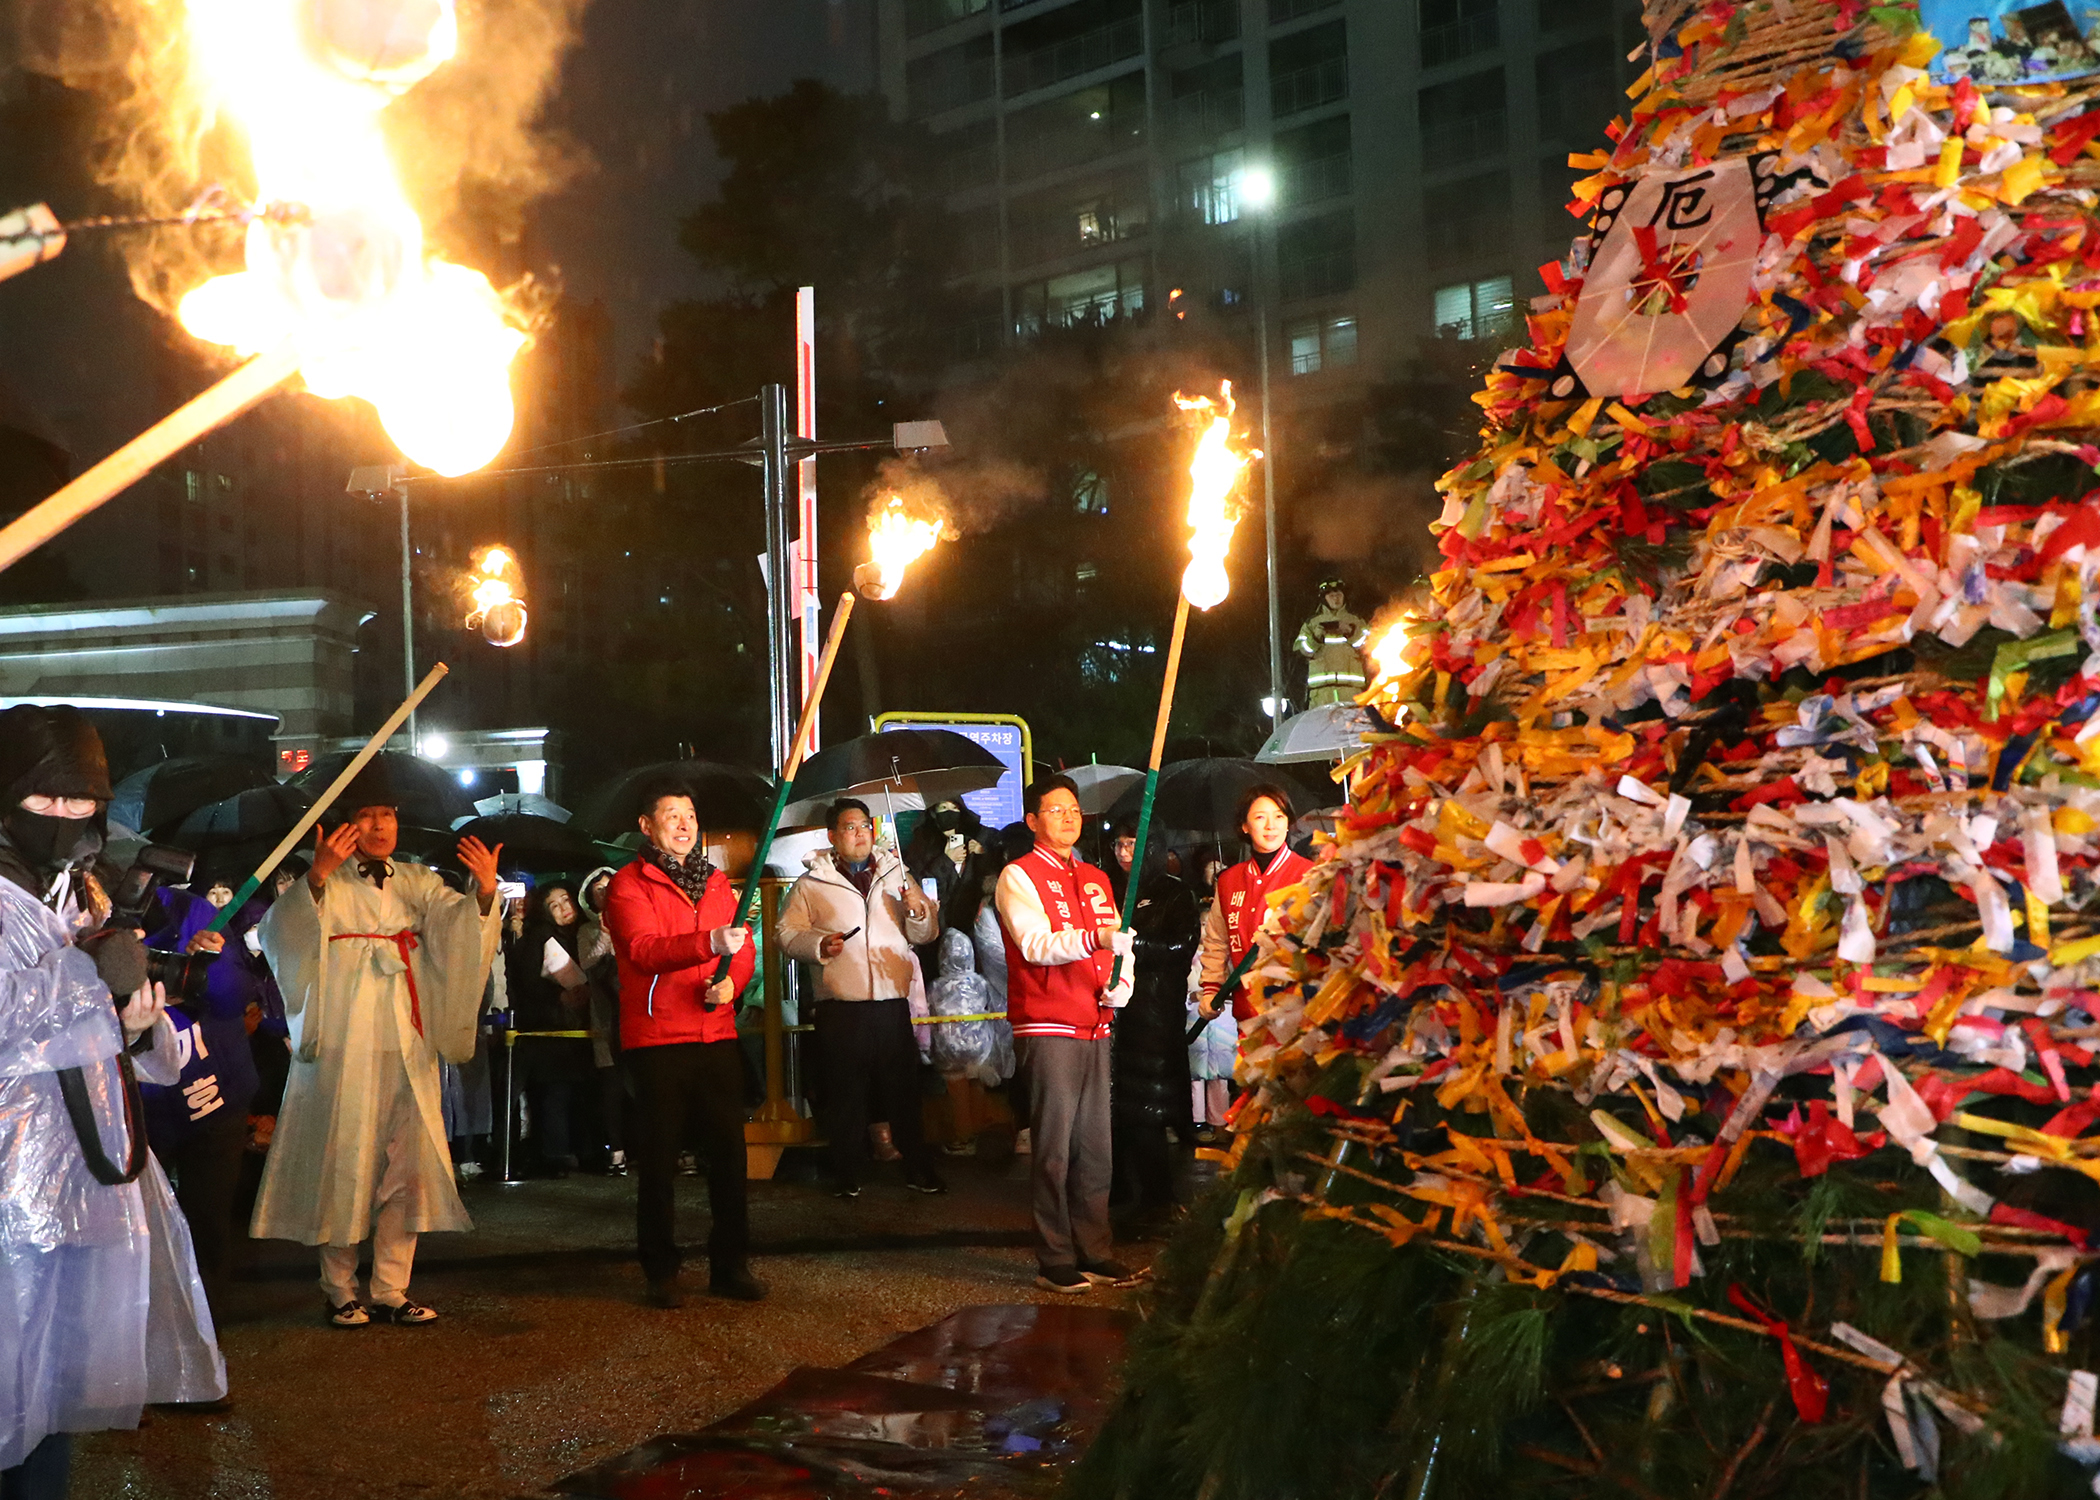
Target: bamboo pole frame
{"x": 796, "y": 749}
{"x": 1159, "y": 747}
{"x": 326, "y": 800}
{"x": 246, "y": 387}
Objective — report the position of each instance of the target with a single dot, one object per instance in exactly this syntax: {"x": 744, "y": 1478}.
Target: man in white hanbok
{"x": 382, "y": 967}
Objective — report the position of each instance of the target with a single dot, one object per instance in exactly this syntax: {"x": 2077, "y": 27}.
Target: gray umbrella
{"x": 1100, "y": 785}
{"x": 1335, "y": 732}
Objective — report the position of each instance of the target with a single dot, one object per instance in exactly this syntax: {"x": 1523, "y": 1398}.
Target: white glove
{"x": 721, "y": 994}
{"x": 1121, "y": 942}
{"x": 727, "y": 940}
{"x": 1117, "y": 995}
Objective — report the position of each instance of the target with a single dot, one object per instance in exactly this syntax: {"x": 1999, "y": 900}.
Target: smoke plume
{"x": 1376, "y": 524}
{"x": 467, "y": 140}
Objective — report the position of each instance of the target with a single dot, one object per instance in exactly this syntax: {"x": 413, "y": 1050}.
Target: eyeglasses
{"x": 856, "y": 828}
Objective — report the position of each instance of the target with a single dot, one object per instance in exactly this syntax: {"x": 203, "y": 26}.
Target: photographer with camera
{"x": 382, "y": 966}
{"x": 100, "y": 1307}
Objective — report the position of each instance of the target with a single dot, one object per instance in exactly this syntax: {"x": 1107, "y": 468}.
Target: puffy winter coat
{"x": 666, "y": 963}
{"x": 875, "y": 964}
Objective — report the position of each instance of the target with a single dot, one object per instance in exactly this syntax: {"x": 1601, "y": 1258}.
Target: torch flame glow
{"x": 1214, "y": 479}
{"x": 1387, "y": 651}
{"x": 498, "y": 612}
{"x": 896, "y": 539}
{"x": 425, "y": 342}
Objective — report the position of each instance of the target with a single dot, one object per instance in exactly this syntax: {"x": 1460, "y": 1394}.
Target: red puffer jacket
{"x": 661, "y": 939}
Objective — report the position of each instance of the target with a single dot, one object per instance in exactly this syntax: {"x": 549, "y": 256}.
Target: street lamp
{"x": 374, "y": 480}
{"x": 1257, "y": 194}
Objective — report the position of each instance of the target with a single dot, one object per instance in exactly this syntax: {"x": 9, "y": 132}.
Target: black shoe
{"x": 739, "y": 1286}
{"x": 352, "y": 1314}
{"x": 666, "y": 1292}
{"x": 1062, "y": 1279}
{"x": 1106, "y": 1272}
{"x": 407, "y": 1315}
{"x": 847, "y": 1190}
{"x": 926, "y": 1180}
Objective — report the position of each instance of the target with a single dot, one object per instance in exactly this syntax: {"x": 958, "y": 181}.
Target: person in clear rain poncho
{"x": 101, "y": 1310}
{"x": 382, "y": 966}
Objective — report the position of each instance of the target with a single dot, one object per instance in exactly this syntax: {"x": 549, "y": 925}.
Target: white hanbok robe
{"x": 355, "y": 1044}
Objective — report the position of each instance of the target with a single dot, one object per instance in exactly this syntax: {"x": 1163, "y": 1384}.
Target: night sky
{"x": 635, "y": 93}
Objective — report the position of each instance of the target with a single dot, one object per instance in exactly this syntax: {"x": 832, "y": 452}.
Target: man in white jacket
{"x": 856, "y": 916}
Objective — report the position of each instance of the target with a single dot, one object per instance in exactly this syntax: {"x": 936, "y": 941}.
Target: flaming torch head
{"x": 348, "y": 278}
{"x": 499, "y": 614}
{"x": 896, "y": 539}
{"x": 1214, "y": 506}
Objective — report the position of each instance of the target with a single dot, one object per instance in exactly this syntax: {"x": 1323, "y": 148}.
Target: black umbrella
{"x": 726, "y": 798}
{"x": 426, "y": 795}
{"x": 928, "y": 764}
{"x": 261, "y": 813}
{"x": 1203, "y": 796}
{"x": 532, "y": 843}
{"x": 167, "y": 792}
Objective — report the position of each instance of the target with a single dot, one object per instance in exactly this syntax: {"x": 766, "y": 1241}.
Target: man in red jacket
{"x": 1062, "y": 940}
{"x": 669, "y": 915}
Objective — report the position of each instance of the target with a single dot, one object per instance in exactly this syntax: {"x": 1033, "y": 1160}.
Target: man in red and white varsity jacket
{"x": 1243, "y": 895}
{"x": 1062, "y": 939}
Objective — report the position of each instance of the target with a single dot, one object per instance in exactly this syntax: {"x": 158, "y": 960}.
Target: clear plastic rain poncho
{"x": 983, "y": 1050}
{"x": 101, "y": 1310}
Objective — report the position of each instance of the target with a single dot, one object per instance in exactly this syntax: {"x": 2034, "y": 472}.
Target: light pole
{"x": 1257, "y": 193}
{"x": 375, "y": 480}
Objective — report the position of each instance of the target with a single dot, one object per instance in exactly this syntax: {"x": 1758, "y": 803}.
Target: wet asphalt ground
{"x": 546, "y": 1358}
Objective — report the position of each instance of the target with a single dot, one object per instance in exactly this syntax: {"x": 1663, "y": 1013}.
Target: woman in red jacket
{"x": 670, "y": 917}
{"x": 1243, "y": 895}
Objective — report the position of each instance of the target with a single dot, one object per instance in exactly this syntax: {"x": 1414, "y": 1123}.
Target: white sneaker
{"x": 469, "y": 1170}
{"x": 1022, "y": 1145}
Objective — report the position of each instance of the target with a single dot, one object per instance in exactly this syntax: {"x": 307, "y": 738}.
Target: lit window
{"x": 1475, "y": 309}
{"x": 1321, "y": 343}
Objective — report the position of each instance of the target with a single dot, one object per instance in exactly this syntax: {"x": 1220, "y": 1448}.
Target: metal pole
{"x": 780, "y": 583}
{"x": 408, "y": 626}
{"x": 809, "y": 605}
{"x": 1268, "y": 482}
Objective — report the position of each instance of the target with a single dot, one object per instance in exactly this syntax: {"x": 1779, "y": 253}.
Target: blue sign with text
{"x": 1006, "y": 738}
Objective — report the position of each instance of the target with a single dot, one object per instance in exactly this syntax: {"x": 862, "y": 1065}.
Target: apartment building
{"x": 1363, "y": 173}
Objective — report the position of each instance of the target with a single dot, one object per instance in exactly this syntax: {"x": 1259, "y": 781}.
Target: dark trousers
{"x": 44, "y": 1475}
{"x": 695, "y": 1087}
{"x": 205, "y": 1166}
{"x": 868, "y": 1062}
{"x": 612, "y": 1106}
{"x": 1069, "y": 1174}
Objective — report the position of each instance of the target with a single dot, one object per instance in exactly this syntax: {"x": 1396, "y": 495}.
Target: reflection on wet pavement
{"x": 993, "y": 1399}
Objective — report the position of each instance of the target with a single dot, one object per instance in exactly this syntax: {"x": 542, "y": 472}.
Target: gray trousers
{"x": 1069, "y": 1171}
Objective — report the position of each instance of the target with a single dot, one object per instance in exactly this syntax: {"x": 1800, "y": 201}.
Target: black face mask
{"x": 946, "y": 819}
{"x": 49, "y": 843}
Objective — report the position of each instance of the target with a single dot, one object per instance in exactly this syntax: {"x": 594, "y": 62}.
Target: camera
{"x": 183, "y": 975}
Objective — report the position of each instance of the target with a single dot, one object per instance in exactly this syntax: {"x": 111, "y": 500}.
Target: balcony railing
{"x": 1461, "y": 38}
{"x": 1311, "y": 181}
{"x": 1309, "y": 87}
{"x": 1043, "y": 66}
{"x": 1209, "y": 114}
{"x": 1318, "y": 275}
{"x": 1446, "y": 143}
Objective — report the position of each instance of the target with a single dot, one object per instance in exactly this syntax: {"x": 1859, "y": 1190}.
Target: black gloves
{"x": 120, "y": 959}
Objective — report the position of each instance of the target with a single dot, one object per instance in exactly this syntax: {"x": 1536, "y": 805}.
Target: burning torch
{"x": 338, "y": 290}
{"x": 1214, "y": 509}
{"x": 499, "y": 612}
{"x": 896, "y": 539}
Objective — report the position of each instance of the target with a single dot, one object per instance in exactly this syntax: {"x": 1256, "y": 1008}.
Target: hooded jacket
{"x": 666, "y": 961}
{"x": 876, "y": 962}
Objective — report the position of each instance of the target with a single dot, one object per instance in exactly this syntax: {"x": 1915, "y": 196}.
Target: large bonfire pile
{"x": 1676, "y": 1078}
